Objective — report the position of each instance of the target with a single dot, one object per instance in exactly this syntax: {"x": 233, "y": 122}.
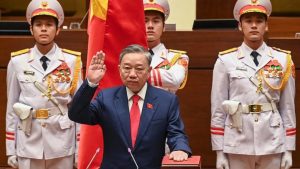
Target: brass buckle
{"x": 41, "y": 114}
{"x": 255, "y": 108}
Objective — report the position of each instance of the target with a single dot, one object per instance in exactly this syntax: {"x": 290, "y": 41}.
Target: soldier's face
{"x": 134, "y": 71}
{"x": 253, "y": 26}
{"x": 44, "y": 29}
{"x": 154, "y": 25}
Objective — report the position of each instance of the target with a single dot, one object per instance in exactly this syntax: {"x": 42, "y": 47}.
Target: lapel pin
{"x": 149, "y": 106}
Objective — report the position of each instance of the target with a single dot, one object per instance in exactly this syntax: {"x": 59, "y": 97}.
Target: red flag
{"x": 113, "y": 25}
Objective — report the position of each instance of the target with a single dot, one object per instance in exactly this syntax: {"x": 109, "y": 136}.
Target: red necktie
{"x": 134, "y": 118}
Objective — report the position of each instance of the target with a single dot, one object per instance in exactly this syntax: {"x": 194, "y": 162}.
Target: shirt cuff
{"x": 92, "y": 84}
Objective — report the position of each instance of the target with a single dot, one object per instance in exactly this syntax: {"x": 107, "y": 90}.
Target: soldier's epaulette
{"x": 19, "y": 52}
{"x": 228, "y": 51}
{"x": 281, "y": 50}
{"x": 72, "y": 52}
{"x": 177, "y": 51}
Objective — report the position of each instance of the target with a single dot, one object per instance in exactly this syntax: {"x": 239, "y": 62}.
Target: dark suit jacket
{"x": 159, "y": 120}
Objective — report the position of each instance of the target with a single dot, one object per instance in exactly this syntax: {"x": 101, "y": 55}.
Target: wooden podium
{"x": 194, "y": 162}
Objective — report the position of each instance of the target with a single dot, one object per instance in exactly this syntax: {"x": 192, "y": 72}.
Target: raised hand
{"x": 97, "y": 68}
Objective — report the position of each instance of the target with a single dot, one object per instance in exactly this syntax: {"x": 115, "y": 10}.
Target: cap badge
{"x": 44, "y": 5}
{"x": 254, "y": 2}
{"x": 151, "y": 1}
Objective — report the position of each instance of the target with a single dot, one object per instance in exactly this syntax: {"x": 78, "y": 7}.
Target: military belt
{"x": 45, "y": 113}
{"x": 257, "y": 108}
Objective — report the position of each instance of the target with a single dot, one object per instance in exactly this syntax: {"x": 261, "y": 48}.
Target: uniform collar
{"x": 160, "y": 51}
{"x": 50, "y": 55}
{"x": 55, "y": 55}
{"x": 263, "y": 50}
{"x": 158, "y": 48}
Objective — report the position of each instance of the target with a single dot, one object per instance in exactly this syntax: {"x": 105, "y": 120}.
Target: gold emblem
{"x": 254, "y": 2}
{"x": 44, "y": 5}
{"x": 259, "y": 87}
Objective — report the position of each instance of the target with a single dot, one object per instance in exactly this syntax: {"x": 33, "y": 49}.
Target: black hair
{"x": 55, "y": 19}
{"x": 160, "y": 13}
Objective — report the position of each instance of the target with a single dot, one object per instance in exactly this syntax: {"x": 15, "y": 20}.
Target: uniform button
{"x": 43, "y": 125}
{"x": 256, "y": 120}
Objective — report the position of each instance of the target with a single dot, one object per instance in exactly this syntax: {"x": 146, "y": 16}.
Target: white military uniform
{"x": 169, "y": 68}
{"x": 261, "y": 132}
{"x": 50, "y": 137}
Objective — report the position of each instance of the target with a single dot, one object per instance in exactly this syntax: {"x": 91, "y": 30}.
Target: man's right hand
{"x": 222, "y": 160}
{"x": 13, "y": 161}
{"x": 97, "y": 68}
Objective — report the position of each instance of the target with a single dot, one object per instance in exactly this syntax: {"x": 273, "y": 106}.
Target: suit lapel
{"x": 35, "y": 63}
{"x": 56, "y": 61}
{"x": 157, "y": 59}
{"x": 149, "y": 107}
{"x": 160, "y": 54}
{"x": 246, "y": 60}
{"x": 266, "y": 57}
{"x": 122, "y": 110}
{"x": 53, "y": 65}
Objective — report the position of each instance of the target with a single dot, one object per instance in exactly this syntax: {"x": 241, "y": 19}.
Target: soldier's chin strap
{"x": 43, "y": 90}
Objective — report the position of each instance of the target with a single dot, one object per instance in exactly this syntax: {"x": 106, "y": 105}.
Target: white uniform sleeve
{"x": 171, "y": 78}
{"x": 287, "y": 110}
{"x": 13, "y": 93}
{"x": 219, "y": 93}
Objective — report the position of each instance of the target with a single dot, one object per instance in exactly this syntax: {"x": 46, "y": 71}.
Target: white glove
{"x": 12, "y": 161}
{"x": 286, "y": 160}
{"x": 222, "y": 160}
{"x": 76, "y": 161}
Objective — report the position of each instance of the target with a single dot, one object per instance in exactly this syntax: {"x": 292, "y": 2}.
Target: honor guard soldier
{"x": 40, "y": 84}
{"x": 253, "y": 124}
{"x": 169, "y": 67}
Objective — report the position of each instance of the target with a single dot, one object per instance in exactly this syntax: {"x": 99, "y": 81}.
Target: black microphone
{"x": 129, "y": 151}
{"x": 97, "y": 151}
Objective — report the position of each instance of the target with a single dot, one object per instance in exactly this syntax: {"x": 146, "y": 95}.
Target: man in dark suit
{"x": 133, "y": 138}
